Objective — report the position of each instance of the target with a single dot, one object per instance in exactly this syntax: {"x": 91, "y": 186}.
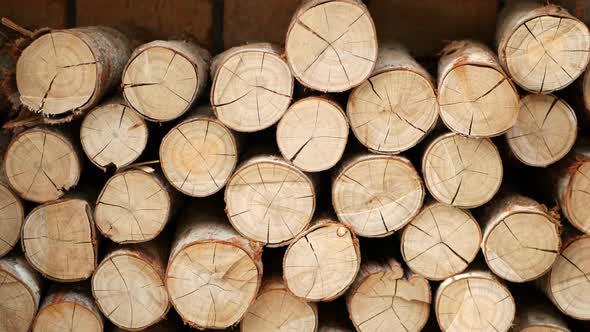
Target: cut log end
{"x": 20, "y": 293}
{"x": 377, "y": 195}
{"x": 576, "y": 200}
{"x": 461, "y": 171}
{"x": 313, "y": 134}
{"x": 113, "y": 134}
{"x": 11, "y": 219}
{"x": 41, "y": 165}
{"x": 331, "y": 46}
{"x": 544, "y": 132}
{"x": 441, "y": 241}
{"x": 68, "y": 309}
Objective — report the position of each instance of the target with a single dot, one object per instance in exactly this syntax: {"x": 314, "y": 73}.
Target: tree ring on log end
{"x": 11, "y": 219}
{"x": 17, "y": 297}
{"x": 67, "y": 316}
{"x": 577, "y": 200}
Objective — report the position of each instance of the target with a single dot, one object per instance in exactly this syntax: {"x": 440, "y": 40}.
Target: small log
{"x": 12, "y": 211}
{"x": 163, "y": 79}
{"x": 199, "y": 154}
{"x": 376, "y": 195}
{"x": 536, "y": 315}
{"x": 59, "y": 240}
{"x": 322, "y": 262}
{"x": 213, "y": 273}
{"x": 113, "y": 134}
{"x": 42, "y": 163}
{"x": 461, "y": 171}
{"x": 68, "y": 308}
{"x": 396, "y": 107}
{"x": 270, "y": 201}
{"x": 66, "y": 72}
{"x": 331, "y": 46}
{"x": 441, "y": 241}
{"x": 313, "y": 134}
{"x": 543, "y": 48}
{"x": 488, "y": 108}
{"x": 252, "y": 86}
{"x": 128, "y": 285}
{"x": 544, "y": 132}
{"x": 20, "y": 293}
{"x": 386, "y": 298}
{"x": 474, "y": 300}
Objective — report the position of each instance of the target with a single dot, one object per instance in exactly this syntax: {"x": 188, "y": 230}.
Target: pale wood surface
{"x": 11, "y": 219}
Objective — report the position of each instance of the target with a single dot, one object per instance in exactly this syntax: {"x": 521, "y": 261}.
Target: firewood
{"x": 270, "y": 201}
{"x": 163, "y": 79}
{"x": 441, "y": 241}
{"x": 313, "y": 134}
{"x": 543, "y": 48}
{"x": 59, "y": 240}
{"x": 11, "y": 209}
{"x": 213, "y": 273}
{"x": 476, "y": 97}
{"x": 376, "y": 195}
{"x": 461, "y": 171}
{"x": 386, "y": 298}
{"x": 331, "y": 46}
{"x": 252, "y": 86}
{"x": 396, "y": 107}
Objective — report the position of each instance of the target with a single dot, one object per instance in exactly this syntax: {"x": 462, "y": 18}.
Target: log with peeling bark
{"x": 213, "y": 273}
{"x": 12, "y": 212}
{"x": 384, "y": 297}
{"x": 543, "y": 48}
{"x": 164, "y": 79}
{"x": 128, "y": 285}
{"x": 441, "y": 241}
{"x": 331, "y": 45}
{"x": 535, "y": 314}
{"x": 476, "y": 97}
{"x": 252, "y": 86}
{"x": 59, "y": 240}
{"x": 68, "y": 308}
{"x": 397, "y": 106}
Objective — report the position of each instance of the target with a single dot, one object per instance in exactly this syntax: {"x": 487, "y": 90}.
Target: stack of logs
{"x": 105, "y": 183}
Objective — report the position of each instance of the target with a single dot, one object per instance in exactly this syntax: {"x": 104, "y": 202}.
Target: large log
{"x": 543, "y": 48}
{"x": 331, "y": 45}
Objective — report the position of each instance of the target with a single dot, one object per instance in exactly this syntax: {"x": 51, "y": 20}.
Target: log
{"x": 128, "y": 285}
{"x": 68, "y": 308}
{"x": 252, "y": 86}
{"x": 12, "y": 212}
{"x": 474, "y": 300}
{"x": 543, "y": 48}
{"x": 384, "y": 297}
{"x": 20, "y": 293}
{"x": 534, "y": 314}
{"x": 269, "y": 201}
{"x": 213, "y": 273}
{"x": 586, "y": 95}
{"x": 488, "y": 108}
{"x": 461, "y": 171}
{"x": 135, "y": 205}
{"x": 544, "y": 132}
{"x": 199, "y": 154}
{"x": 331, "y": 46}
{"x": 59, "y": 240}
{"x": 322, "y": 262}
{"x": 163, "y": 79}
{"x": 441, "y": 241}
{"x": 313, "y": 134}
{"x": 376, "y": 195}
{"x": 55, "y": 161}
{"x": 113, "y": 134}
{"x": 276, "y": 309}
{"x": 396, "y": 107}
{"x": 67, "y": 72}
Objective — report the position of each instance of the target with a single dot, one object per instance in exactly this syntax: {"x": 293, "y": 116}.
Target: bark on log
{"x": 441, "y": 241}
{"x": 386, "y": 298}
{"x": 543, "y": 48}
{"x": 270, "y": 201}
{"x": 213, "y": 273}
{"x": 252, "y": 86}
{"x": 164, "y": 79}
{"x": 313, "y": 134}
{"x": 461, "y": 171}
{"x": 398, "y": 100}
{"x": 319, "y": 47}
{"x": 488, "y": 108}
{"x": 11, "y": 209}
{"x": 376, "y": 195}
{"x": 536, "y": 315}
